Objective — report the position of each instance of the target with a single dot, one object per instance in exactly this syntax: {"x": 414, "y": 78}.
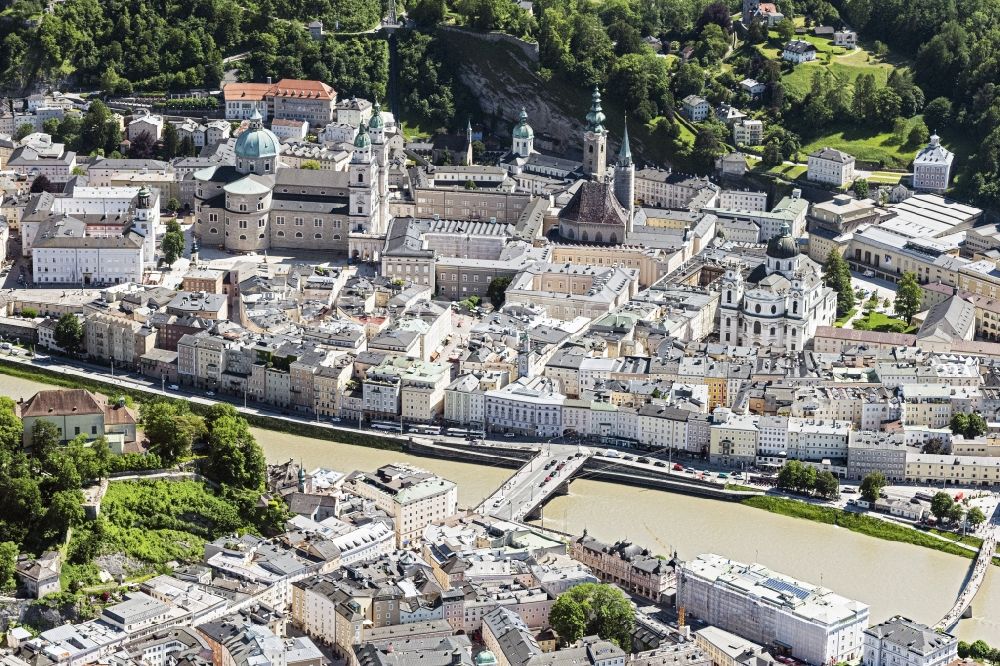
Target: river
{"x": 891, "y": 577}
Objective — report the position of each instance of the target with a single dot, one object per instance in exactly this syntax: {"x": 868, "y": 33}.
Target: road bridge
{"x": 546, "y": 475}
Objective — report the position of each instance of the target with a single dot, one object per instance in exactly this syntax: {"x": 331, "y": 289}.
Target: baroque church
{"x": 259, "y": 204}
{"x": 780, "y": 303}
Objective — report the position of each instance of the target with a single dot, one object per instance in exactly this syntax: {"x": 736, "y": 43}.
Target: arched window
{"x": 772, "y": 330}
{"x": 336, "y": 237}
{"x": 361, "y": 177}
{"x": 774, "y": 309}
{"x": 281, "y": 234}
{"x": 756, "y": 328}
{"x": 614, "y": 239}
{"x": 729, "y": 322}
{"x": 599, "y": 237}
{"x": 757, "y": 308}
{"x": 213, "y": 230}
{"x": 298, "y": 234}
{"x": 243, "y": 236}
{"x": 795, "y": 307}
{"x": 729, "y": 297}
{"x": 317, "y": 235}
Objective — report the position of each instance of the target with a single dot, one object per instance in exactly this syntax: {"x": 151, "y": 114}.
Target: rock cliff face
{"x": 504, "y": 79}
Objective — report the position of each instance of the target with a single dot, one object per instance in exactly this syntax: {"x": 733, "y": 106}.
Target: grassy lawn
{"x": 860, "y": 523}
{"x": 866, "y": 144}
{"x": 786, "y": 171}
{"x": 877, "y": 321}
{"x": 968, "y": 540}
{"x": 741, "y": 488}
{"x": 843, "y": 320}
{"x": 885, "y": 177}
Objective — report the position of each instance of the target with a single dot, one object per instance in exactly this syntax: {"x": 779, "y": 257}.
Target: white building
{"x": 932, "y": 167}
{"x": 813, "y": 623}
{"x": 531, "y": 406}
{"x": 695, "y": 108}
{"x": 831, "y": 166}
{"x": 150, "y": 124}
{"x": 798, "y": 51}
{"x": 902, "y": 642}
{"x": 64, "y": 254}
{"x": 784, "y": 303}
{"x": 752, "y": 87}
{"x": 748, "y": 132}
{"x": 412, "y": 496}
{"x": 845, "y": 38}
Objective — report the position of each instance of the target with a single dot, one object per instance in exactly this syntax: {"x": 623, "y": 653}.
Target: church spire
{"x": 625, "y": 152}
{"x": 595, "y": 117}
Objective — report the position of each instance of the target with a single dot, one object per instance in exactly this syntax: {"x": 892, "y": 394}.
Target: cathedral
{"x": 780, "y": 304}
{"x": 258, "y": 204}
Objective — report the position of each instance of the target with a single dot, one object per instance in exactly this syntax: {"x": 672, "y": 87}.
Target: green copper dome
{"x": 595, "y": 117}
{"x": 486, "y": 658}
{"x": 376, "y": 121}
{"x": 523, "y": 130}
{"x": 362, "y": 140}
{"x": 783, "y": 246}
{"x": 256, "y": 142}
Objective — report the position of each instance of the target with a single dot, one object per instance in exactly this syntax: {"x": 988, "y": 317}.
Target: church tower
{"x": 363, "y": 192}
{"x": 380, "y": 151}
{"x": 468, "y": 142}
{"x": 729, "y": 305}
{"x": 524, "y": 137}
{"x": 625, "y": 179}
{"x": 595, "y": 140}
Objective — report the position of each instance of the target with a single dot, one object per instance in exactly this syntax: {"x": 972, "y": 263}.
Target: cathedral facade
{"x": 259, "y": 204}
{"x": 781, "y": 302}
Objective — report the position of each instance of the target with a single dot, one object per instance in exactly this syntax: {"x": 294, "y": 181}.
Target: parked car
{"x": 210, "y": 393}
{"x": 174, "y": 387}
{"x": 642, "y": 459}
{"x": 335, "y": 419}
{"x": 510, "y": 435}
{"x": 678, "y": 467}
{"x": 660, "y": 463}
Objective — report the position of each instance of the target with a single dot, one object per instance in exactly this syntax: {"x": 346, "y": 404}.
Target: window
{"x": 213, "y": 230}
{"x": 243, "y": 224}
{"x": 279, "y": 220}
{"x": 298, "y": 221}
{"x": 317, "y": 222}
{"x": 317, "y": 235}
{"x": 280, "y": 234}
{"x": 243, "y": 237}
{"x": 298, "y": 234}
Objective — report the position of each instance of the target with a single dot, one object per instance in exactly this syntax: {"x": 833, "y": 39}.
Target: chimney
{"x": 269, "y": 80}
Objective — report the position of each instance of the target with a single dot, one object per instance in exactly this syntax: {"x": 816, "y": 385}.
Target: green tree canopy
{"x": 234, "y": 457}
{"x": 68, "y": 333}
{"x": 908, "y": 296}
{"x": 941, "y": 505}
{"x": 594, "y": 608}
{"x": 871, "y": 486}
{"x": 171, "y": 429}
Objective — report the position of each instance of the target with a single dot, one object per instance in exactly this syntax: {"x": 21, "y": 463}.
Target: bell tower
{"x": 595, "y": 140}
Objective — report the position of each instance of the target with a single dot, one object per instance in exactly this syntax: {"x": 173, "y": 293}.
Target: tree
{"x": 172, "y": 246}
{"x": 977, "y": 426}
{"x": 594, "y": 608}
{"x": 908, "y": 297}
{"x": 11, "y": 428}
{"x": 919, "y": 134}
{"x": 757, "y": 32}
{"x": 956, "y": 514}
{"x": 827, "y": 485}
{"x": 959, "y": 423}
{"x": 689, "y": 80}
{"x": 8, "y": 561}
{"x": 941, "y": 504}
{"x": 310, "y": 165}
{"x": 861, "y": 188}
{"x": 234, "y": 457}
{"x": 23, "y": 130}
{"x": 171, "y": 141}
{"x": 141, "y": 146}
{"x": 937, "y": 113}
{"x": 171, "y": 429}
{"x": 69, "y": 333}
{"x": 871, "y": 486}
{"x": 717, "y": 13}
{"x": 786, "y": 30}
{"x": 497, "y": 291}
{"x": 976, "y": 517}
{"x": 173, "y": 205}
{"x": 41, "y": 183}
{"x": 837, "y": 275}
{"x": 65, "y": 511}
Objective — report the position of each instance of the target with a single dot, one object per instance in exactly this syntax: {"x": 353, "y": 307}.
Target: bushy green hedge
{"x": 856, "y": 522}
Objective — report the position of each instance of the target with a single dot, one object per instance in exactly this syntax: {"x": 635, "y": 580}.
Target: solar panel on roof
{"x": 785, "y": 588}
